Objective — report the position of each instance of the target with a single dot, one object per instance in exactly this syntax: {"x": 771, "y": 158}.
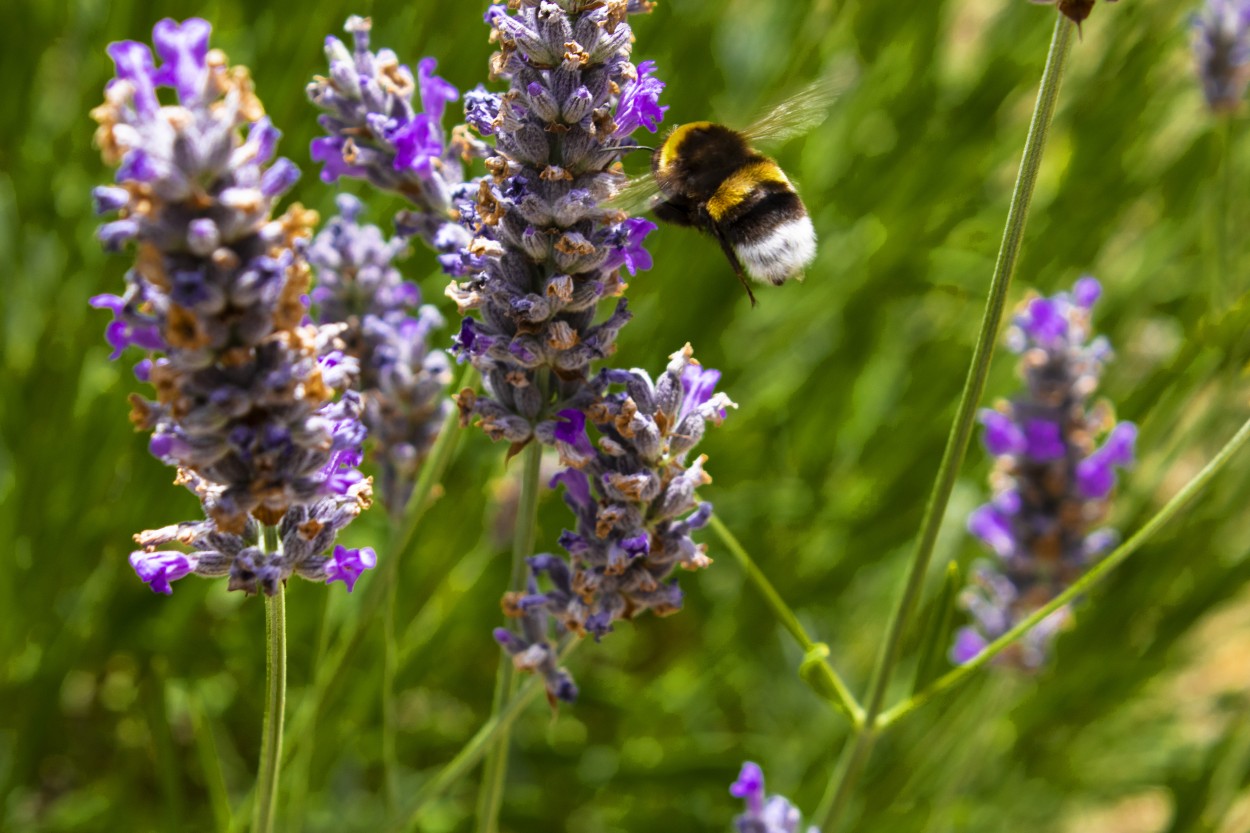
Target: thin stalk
{"x": 472, "y": 752}
{"x": 430, "y": 476}
{"x": 830, "y": 679}
{"x": 1222, "y": 289}
{"x": 495, "y": 772}
{"x": 432, "y": 471}
{"x": 855, "y": 753}
{"x": 390, "y": 661}
{"x": 1079, "y": 587}
{"x": 275, "y": 701}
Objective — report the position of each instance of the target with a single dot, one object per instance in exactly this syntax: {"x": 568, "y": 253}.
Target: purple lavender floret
{"x": 306, "y": 533}
{"x": 771, "y": 814}
{"x": 402, "y": 380}
{"x": 1222, "y": 51}
{"x": 633, "y": 495}
{"x": 1052, "y": 482}
{"x": 546, "y": 249}
{"x": 251, "y": 404}
{"x": 375, "y": 133}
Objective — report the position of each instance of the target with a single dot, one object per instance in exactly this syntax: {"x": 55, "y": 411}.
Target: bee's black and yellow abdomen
{"x": 762, "y": 218}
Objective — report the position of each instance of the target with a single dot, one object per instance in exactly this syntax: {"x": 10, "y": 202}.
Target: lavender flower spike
{"x": 402, "y": 380}
{"x": 633, "y": 497}
{"x": 546, "y": 249}
{"x": 774, "y": 814}
{"x": 1222, "y": 52}
{"x": 251, "y": 404}
{"x": 375, "y": 133}
{"x": 1051, "y": 484}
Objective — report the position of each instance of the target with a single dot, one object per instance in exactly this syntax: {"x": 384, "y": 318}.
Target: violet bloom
{"x": 1222, "y": 51}
{"x": 251, "y": 405}
{"x": 402, "y": 380}
{"x": 1052, "y": 482}
{"x": 633, "y": 496}
{"x": 771, "y": 814}
{"x": 375, "y": 133}
{"x": 546, "y": 249}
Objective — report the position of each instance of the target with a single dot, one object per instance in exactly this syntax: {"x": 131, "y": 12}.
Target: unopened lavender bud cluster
{"x": 546, "y": 250}
{"x": 633, "y": 495}
{"x": 376, "y": 134}
{"x": 1222, "y": 50}
{"x": 402, "y": 380}
{"x": 251, "y": 404}
{"x": 764, "y": 814}
{"x": 1052, "y": 481}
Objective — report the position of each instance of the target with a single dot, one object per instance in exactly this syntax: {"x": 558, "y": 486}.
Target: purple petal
{"x": 993, "y": 527}
{"x": 576, "y": 487}
{"x": 968, "y": 644}
{"x": 750, "y": 787}
{"x": 435, "y": 92}
{"x": 133, "y": 61}
{"x": 347, "y": 565}
{"x": 1002, "y": 435}
{"x": 1086, "y": 291}
{"x": 1044, "y": 440}
{"x": 184, "y": 51}
{"x": 158, "y": 569}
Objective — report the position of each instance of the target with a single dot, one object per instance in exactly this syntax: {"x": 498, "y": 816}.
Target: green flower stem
{"x": 430, "y": 476}
{"x": 1223, "y": 289}
{"x": 1079, "y": 587}
{"x": 275, "y": 700}
{"x": 432, "y": 471}
{"x": 209, "y": 760}
{"x": 390, "y": 661}
{"x": 857, "y": 749}
{"x": 495, "y": 772}
{"x": 830, "y": 681}
{"x": 472, "y": 752}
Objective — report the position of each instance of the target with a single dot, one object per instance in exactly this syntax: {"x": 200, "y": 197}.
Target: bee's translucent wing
{"x": 635, "y": 196}
{"x": 800, "y": 112}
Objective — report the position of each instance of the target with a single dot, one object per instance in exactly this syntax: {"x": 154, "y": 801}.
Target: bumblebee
{"x": 711, "y": 177}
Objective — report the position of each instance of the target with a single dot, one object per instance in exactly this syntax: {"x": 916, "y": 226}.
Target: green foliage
{"x": 126, "y": 710}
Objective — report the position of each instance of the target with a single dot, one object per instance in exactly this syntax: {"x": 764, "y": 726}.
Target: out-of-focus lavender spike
{"x": 402, "y": 380}
{"x": 1222, "y": 51}
{"x": 1051, "y": 481}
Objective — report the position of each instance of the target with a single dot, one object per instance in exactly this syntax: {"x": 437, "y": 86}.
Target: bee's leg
{"x": 730, "y": 254}
{"x": 676, "y": 211}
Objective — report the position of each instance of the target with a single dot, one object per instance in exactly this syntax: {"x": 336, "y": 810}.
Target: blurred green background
{"x": 123, "y": 710}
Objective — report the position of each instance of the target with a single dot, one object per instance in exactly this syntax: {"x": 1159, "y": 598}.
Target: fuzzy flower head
{"x": 633, "y": 497}
{"x": 1052, "y": 479}
{"x": 547, "y": 247}
{"x": 402, "y": 380}
{"x": 1222, "y": 51}
{"x": 771, "y": 814}
{"x": 247, "y": 402}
